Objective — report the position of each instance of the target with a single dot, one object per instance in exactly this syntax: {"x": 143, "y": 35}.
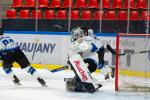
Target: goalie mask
{"x": 76, "y": 33}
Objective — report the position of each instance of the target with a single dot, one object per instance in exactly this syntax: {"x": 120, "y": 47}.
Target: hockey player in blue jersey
{"x": 10, "y": 52}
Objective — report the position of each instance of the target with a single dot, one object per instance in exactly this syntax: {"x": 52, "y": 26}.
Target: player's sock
{"x": 11, "y": 74}
{"x": 33, "y": 72}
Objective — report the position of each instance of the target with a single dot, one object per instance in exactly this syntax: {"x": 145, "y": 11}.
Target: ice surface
{"x": 32, "y": 90}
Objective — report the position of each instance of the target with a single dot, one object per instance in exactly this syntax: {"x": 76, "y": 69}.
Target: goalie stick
{"x": 57, "y": 69}
{"x": 132, "y": 53}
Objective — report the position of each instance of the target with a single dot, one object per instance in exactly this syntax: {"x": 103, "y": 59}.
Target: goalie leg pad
{"x": 73, "y": 85}
{"x": 83, "y": 75}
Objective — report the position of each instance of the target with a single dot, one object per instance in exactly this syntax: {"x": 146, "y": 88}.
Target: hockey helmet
{"x": 76, "y": 33}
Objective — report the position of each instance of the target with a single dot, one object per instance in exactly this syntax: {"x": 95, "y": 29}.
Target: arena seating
{"x": 105, "y": 3}
{"x": 61, "y": 14}
{"x": 49, "y": 14}
{"x": 134, "y": 15}
{"x": 141, "y": 4}
{"x": 55, "y": 4}
{"x": 80, "y": 9}
{"x": 29, "y": 4}
{"x": 36, "y": 14}
{"x": 80, "y": 4}
{"x": 122, "y": 15}
{"x": 144, "y": 16}
{"x": 24, "y": 14}
{"x": 131, "y": 2}
{"x": 98, "y": 15}
{"x": 110, "y": 15}
{"x": 74, "y": 14}
{"x": 42, "y": 3}
{"x": 86, "y": 15}
{"x": 11, "y": 13}
{"x": 93, "y": 4}
{"x": 117, "y": 4}
{"x": 67, "y": 3}
{"x": 17, "y": 3}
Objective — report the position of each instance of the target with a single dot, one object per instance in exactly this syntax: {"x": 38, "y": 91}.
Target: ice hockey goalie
{"x": 82, "y": 47}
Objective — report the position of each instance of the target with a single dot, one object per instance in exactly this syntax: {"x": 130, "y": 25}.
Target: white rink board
{"x": 57, "y": 47}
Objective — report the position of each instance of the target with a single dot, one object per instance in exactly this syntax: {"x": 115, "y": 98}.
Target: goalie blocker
{"x": 83, "y": 81}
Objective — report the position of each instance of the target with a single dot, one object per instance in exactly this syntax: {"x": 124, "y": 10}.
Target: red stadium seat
{"x": 86, "y": 15}
{"x": 55, "y": 4}
{"x": 61, "y": 14}
{"x": 17, "y": 3}
{"x": 80, "y": 4}
{"x": 132, "y": 3}
{"x": 98, "y": 15}
{"x": 11, "y": 13}
{"x": 67, "y": 3}
{"x": 144, "y": 15}
{"x": 105, "y": 3}
{"x": 74, "y": 14}
{"x": 42, "y": 3}
{"x": 110, "y": 15}
{"x": 141, "y": 4}
{"x": 93, "y": 4}
{"x": 117, "y": 4}
{"x": 24, "y": 14}
{"x": 49, "y": 14}
{"x": 36, "y": 14}
{"x": 122, "y": 15}
{"x": 29, "y": 3}
{"x": 134, "y": 15}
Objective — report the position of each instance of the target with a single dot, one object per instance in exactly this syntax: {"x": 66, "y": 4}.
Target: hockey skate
{"x": 16, "y": 80}
{"x": 42, "y": 82}
{"x": 106, "y": 76}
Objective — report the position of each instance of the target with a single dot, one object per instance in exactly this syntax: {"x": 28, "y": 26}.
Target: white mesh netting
{"x": 134, "y": 68}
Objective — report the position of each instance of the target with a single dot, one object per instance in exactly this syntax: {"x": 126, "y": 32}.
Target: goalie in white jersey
{"x": 84, "y": 43}
{"x": 10, "y": 52}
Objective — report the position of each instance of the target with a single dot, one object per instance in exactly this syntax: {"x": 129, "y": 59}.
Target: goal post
{"x": 133, "y": 66}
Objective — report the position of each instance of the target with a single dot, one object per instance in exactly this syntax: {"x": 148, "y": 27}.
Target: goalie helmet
{"x": 76, "y": 33}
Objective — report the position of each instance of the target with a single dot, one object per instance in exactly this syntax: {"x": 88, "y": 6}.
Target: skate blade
{"x": 44, "y": 85}
{"x": 17, "y": 83}
{"x": 94, "y": 90}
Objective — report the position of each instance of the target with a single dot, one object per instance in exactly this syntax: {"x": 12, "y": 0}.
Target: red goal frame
{"x": 117, "y": 52}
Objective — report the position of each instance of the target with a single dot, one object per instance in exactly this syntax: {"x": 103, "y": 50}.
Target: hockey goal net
{"x": 133, "y": 66}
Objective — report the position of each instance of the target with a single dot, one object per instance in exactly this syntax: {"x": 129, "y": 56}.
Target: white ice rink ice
{"x": 32, "y": 90}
